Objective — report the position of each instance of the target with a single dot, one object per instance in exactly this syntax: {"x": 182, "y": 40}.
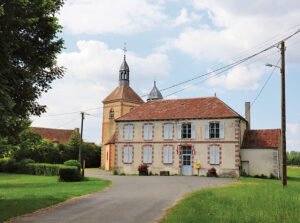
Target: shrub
{"x": 73, "y": 163}
{"x": 143, "y": 170}
{"x": 211, "y": 172}
{"x": 115, "y": 172}
{"x": 23, "y": 165}
{"x": 11, "y": 166}
{"x": 3, "y": 163}
{"x": 43, "y": 169}
{"x": 69, "y": 174}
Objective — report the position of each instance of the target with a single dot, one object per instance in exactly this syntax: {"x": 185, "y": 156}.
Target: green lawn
{"x": 21, "y": 193}
{"x": 248, "y": 200}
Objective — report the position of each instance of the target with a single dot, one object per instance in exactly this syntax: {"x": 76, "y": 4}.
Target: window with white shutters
{"x": 147, "y": 154}
{"x": 168, "y": 155}
{"x": 214, "y": 155}
{"x": 128, "y": 132}
{"x": 168, "y": 131}
{"x": 128, "y": 154}
{"x": 214, "y": 130}
{"x": 148, "y": 130}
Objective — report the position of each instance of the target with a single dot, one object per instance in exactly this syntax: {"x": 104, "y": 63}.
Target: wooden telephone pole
{"x": 283, "y": 116}
{"x": 80, "y": 146}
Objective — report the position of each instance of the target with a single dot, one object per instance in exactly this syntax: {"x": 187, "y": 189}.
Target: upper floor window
{"x": 214, "y": 130}
{"x": 128, "y": 132}
{"x": 111, "y": 114}
{"x": 148, "y": 131}
{"x": 168, "y": 131}
{"x": 186, "y": 131}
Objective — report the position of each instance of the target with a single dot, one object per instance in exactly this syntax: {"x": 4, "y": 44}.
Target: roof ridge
{"x": 175, "y": 99}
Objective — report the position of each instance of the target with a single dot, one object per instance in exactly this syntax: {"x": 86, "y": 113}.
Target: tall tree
{"x": 29, "y": 43}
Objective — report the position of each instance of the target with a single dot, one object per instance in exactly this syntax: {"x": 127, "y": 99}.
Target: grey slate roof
{"x": 154, "y": 93}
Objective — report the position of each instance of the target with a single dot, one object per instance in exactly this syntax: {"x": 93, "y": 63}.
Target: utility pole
{"x": 80, "y": 146}
{"x": 283, "y": 117}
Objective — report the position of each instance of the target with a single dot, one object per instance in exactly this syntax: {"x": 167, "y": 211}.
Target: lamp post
{"x": 283, "y": 115}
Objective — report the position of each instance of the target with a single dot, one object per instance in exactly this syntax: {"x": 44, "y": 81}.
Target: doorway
{"x": 186, "y": 157}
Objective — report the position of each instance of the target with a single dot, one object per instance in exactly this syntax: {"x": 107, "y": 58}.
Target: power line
{"x": 231, "y": 64}
{"x": 266, "y": 82}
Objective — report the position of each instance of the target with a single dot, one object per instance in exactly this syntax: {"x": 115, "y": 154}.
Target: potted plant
{"x": 211, "y": 172}
{"x": 143, "y": 170}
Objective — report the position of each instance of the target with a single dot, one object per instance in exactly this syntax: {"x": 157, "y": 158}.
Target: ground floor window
{"x": 214, "y": 155}
{"x": 168, "y": 154}
{"x": 147, "y": 154}
{"x": 127, "y": 154}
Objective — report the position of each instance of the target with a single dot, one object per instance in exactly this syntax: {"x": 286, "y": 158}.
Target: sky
{"x": 172, "y": 41}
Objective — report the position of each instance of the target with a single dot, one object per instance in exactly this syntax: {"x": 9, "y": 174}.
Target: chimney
{"x": 247, "y": 113}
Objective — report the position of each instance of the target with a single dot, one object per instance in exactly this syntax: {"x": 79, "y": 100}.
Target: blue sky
{"x": 171, "y": 41}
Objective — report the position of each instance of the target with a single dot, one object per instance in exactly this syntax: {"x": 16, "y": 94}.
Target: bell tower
{"x": 119, "y": 102}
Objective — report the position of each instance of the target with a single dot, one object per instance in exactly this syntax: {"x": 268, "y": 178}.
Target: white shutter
{"x": 166, "y": 132}
{"x": 179, "y": 131}
{"x": 145, "y": 155}
{"x": 170, "y": 155}
{"x": 125, "y": 154}
{"x": 206, "y": 129}
{"x": 217, "y": 155}
{"x": 145, "y": 131}
{"x": 149, "y": 154}
{"x": 212, "y": 155}
{"x": 150, "y": 131}
{"x": 170, "y": 131}
{"x": 193, "y": 128}
{"x": 166, "y": 154}
{"x": 129, "y": 154}
{"x": 130, "y": 132}
{"x": 222, "y": 130}
{"x": 126, "y": 132}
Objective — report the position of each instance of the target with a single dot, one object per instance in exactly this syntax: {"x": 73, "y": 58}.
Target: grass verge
{"x": 248, "y": 200}
{"x": 21, "y": 193}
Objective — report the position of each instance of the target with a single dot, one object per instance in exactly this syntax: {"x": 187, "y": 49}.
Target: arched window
{"x": 111, "y": 114}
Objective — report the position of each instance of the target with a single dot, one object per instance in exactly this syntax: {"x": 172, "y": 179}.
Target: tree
{"x": 29, "y": 43}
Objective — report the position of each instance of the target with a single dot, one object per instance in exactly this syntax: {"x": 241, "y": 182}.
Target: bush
{"x": 11, "y": 166}
{"x": 69, "y": 174}
{"x": 115, "y": 172}
{"x": 43, "y": 169}
{"x": 211, "y": 172}
{"x": 73, "y": 163}
{"x": 23, "y": 165}
{"x": 3, "y": 163}
{"x": 143, "y": 170}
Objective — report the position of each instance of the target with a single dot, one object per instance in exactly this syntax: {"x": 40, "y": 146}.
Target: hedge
{"x": 73, "y": 163}
{"x": 69, "y": 173}
{"x": 43, "y": 169}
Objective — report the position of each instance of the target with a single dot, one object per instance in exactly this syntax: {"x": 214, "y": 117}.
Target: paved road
{"x": 130, "y": 199}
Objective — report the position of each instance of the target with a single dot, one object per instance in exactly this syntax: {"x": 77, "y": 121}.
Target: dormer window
{"x": 111, "y": 114}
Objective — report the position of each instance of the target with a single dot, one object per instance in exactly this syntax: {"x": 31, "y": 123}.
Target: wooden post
{"x": 283, "y": 117}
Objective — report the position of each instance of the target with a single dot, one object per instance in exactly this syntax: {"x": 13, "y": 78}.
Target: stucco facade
{"x": 229, "y": 146}
{"x": 257, "y": 161}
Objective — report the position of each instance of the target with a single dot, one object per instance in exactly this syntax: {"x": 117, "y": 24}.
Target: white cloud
{"x": 106, "y": 16}
{"x": 92, "y": 73}
{"x": 185, "y": 18}
{"x": 293, "y": 145}
{"x": 293, "y": 128}
{"x": 238, "y": 78}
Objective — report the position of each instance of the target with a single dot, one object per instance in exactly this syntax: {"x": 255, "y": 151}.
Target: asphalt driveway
{"x": 130, "y": 199}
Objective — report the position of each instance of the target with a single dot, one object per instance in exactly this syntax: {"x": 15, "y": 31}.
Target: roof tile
{"x": 54, "y": 135}
{"x": 263, "y": 138}
{"x": 123, "y": 93}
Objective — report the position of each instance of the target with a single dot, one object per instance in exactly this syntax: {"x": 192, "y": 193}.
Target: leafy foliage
{"x": 73, "y": 163}
{"x": 69, "y": 174}
{"x": 29, "y": 44}
{"x": 293, "y": 158}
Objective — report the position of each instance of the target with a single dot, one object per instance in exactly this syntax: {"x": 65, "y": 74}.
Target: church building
{"x": 175, "y": 134}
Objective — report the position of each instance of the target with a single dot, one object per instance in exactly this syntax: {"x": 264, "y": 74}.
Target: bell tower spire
{"x": 124, "y": 70}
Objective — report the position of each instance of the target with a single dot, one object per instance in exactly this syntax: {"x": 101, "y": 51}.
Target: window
{"x": 168, "y": 131}
{"x": 128, "y": 154}
{"x": 214, "y": 155}
{"x": 147, "y": 154}
{"x": 148, "y": 131}
{"x": 186, "y": 131}
{"x": 111, "y": 114}
{"x": 128, "y": 132}
{"x": 214, "y": 130}
{"x": 168, "y": 154}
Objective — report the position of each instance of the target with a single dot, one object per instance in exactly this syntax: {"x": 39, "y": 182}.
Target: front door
{"x": 186, "y": 159}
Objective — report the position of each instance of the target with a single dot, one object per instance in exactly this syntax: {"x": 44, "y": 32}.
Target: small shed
{"x": 260, "y": 152}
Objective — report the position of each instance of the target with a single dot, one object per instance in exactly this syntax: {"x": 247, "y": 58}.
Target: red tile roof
{"x": 112, "y": 139}
{"x": 54, "y": 135}
{"x": 209, "y": 107}
{"x": 123, "y": 93}
{"x": 263, "y": 138}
